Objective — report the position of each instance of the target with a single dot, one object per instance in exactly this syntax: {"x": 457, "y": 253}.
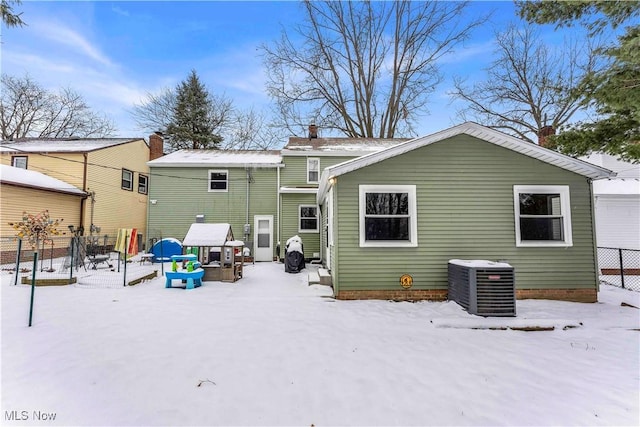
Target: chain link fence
{"x": 84, "y": 261}
{"x": 620, "y": 267}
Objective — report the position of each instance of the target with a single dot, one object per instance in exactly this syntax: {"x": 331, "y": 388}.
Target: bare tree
{"x": 155, "y": 112}
{"x": 249, "y": 130}
{"x": 529, "y": 86}
{"x": 365, "y": 69}
{"x": 29, "y": 110}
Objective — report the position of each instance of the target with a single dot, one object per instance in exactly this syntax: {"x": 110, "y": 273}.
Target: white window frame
{"x": 16, "y": 160}
{"x": 565, "y": 213}
{"x": 129, "y": 180}
{"x": 145, "y": 186}
{"x": 309, "y": 159}
{"x": 413, "y": 215}
{"x": 300, "y": 218}
{"x": 226, "y": 181}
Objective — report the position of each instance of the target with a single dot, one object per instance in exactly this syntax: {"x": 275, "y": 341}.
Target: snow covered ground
{"x": 271, "y": 350}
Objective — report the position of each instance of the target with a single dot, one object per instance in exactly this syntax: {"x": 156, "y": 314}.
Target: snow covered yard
{"x": 270, "y": 350}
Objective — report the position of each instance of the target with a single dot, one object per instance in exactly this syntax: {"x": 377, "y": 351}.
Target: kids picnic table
{"x": 193, "y": 277}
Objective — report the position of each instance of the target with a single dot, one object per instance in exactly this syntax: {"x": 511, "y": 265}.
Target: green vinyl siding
{"x": 465, "y": 210}
{"x": 290, "y": 204}
{"x": 294, "y": 172}
{"x": 323, "y": 234}
{"x": 182, "y": 193}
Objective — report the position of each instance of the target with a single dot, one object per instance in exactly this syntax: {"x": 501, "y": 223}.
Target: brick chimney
{"x": 544, "y": 133}
{"x": 313, "y": 131}
{"x": 156, "y": 146}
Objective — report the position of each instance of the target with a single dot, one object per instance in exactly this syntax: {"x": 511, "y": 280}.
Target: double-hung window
{"x": 542, "y": 215}
{"x": 127, "y": 180}
{"x": 218, "y": 180}
{"x": 143, "y": 184}
{"x": 313, "y": 170}
{"x": 308, "y": 217}
{"x": 388, "y": 215}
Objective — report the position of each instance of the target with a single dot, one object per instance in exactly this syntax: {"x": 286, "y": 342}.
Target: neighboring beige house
{"x": 112, "y": 171}
{"x": 617, "y": 203}
{"x": 33, "y": 192}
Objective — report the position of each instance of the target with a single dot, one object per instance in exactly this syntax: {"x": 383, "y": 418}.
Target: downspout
{"x": 83, "y": 204}
{"x": 278, "y": 195}
{"x": 595, "y": 240}
{"x": 246, "y": 169}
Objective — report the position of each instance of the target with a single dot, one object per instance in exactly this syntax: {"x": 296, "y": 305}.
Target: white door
{"x": 263, "y": 242}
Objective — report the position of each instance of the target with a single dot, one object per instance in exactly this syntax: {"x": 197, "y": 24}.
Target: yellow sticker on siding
{"x": 406, "y": 281}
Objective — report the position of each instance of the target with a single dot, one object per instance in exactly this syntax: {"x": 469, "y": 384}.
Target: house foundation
{"x": 573, "y": 295}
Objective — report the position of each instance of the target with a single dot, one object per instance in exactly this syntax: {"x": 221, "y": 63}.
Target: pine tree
{"x": 192, "y": 125}
{"x": 617, "y": 89}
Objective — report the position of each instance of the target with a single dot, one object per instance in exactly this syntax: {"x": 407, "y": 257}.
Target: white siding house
{"x": 617, "y": 203}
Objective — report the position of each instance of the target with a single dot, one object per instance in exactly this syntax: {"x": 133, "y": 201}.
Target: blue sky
{"x": 116, "y": 52}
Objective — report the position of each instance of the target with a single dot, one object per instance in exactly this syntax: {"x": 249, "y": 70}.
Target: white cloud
{"x": 472, "y": 51}
{"x": 239, "y": 73}
{"x": 66, "y": 36}
{"x": 31, "y": 61}
{"x": 117, "y": 10}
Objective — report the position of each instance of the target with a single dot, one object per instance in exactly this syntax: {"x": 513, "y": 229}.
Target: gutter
{"x": 78, "y": 193}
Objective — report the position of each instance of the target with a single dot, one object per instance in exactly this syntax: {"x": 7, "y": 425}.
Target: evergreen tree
{"x": 9, "y": 17}
{"x": 192, "y": 125}
{"x": 617, "y": 89}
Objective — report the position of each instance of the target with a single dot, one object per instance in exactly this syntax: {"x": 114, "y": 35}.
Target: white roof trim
{"x": 473, "y": 129}
{"x": 218, "y": 158}
{"x": 328, "y": 153}
{"x": 214, "y": 165}
{"x": 298, "y": 190}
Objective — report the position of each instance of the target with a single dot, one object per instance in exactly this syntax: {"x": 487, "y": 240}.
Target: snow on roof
{"x": 201, "y": 234}
{"x": 61, "y": 145}
{"x": 338, "y": 146}
{"x": 28, "y": 178}
{"x": 479, "y": 263}
{"x": 619, "y": 186}
{"x": 477, "y": 131}
{"x": 209, "y": 158}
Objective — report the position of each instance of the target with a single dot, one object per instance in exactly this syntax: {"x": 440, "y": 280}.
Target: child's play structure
{"x": 211, "y": 254}
{"x": 221, "y": 256}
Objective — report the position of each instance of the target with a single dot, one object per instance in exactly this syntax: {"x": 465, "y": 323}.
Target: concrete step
{"x": 314, "y": 278}
{"x": 325, "y": 276}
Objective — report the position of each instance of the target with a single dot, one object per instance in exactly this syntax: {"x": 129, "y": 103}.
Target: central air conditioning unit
{"x": 481, "y": 287}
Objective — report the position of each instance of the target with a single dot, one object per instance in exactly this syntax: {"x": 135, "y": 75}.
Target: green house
{"x": 303, "y": 160}
{"x": 392, "y": 219}
{"x": 266, "y": 196}
{"x": 216, "y": 186}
